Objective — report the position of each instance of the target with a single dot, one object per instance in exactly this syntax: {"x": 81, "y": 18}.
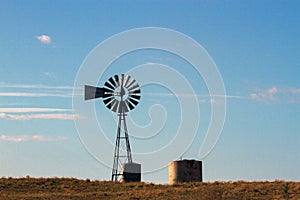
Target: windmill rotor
{"x": 118, "y": 95}
{"x": 119, "y": 92}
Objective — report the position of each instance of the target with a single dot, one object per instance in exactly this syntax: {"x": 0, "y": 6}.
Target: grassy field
{"x": 71, "y": 188}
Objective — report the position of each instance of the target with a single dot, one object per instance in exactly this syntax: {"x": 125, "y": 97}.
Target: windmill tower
{"x": 120, "y": 94}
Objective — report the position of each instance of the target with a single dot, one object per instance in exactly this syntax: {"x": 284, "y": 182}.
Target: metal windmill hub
{"x": 122, "y": 94}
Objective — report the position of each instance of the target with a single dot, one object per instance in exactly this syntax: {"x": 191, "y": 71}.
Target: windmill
{"x": 120, "y": 94}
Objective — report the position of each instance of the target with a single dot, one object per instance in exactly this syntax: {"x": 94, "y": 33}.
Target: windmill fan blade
{"x": 122, "y": 79}
{"x": 107, "y": 84}
{"x": 111, "y": 81}
{"x": 117, "y": 80}
{"x": 135, "y": 92}
{"x": 111, "y": 104}
{"x": 131, "y": 107}
{"x": 108, "y": 93}
{"x": 91, "y": 92}
{"x": 126, "y": 105}
{"x": 135, "y": 97}
{"x": 133, "y": 87}
{"x": 126, "y": 80}
{"x": 116, "y": 105}
{"x": 133, "y": 101}
{"x": 107, "y": 100}
{"x": 130, "y": 83}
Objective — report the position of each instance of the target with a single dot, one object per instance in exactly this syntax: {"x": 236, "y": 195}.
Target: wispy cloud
{"x": 202, "y": 98}
{"x": 59, "y": 116}
{"x": 39, "y": 90}
{"x": 35, "y": 90}
{"x": 26, "y": 110}
{"x": 33, "y": 94}
{"x": 21, "y": 113}
{"x": 38, "y": 86}
{"x": 229, "y": 96}
{"x": 275, "y": 95}
{"x": 45, "y": 39}
{"x": 267, "y": 95}
{"x": 212, "y": 100}
{"x": 26, "y": 138}
{"x": 193, "y": 95}
{"x": 150, "y": 63}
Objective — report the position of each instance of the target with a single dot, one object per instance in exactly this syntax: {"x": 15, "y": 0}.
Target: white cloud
{"x": 229, "y": 96}
{"x": 32, "y": 94}
{"x": 35, "y": 113}
{"x": 188, "y": 95}
{"x": 48, "y": 91}
{"x": 26, "y": 138}
{"x": 266, "y": 96}
{"x": 38, "y": 90}
{"x": 24, "y": 86}
{"x": 44, "y": 39}
{"x": 24, "y": 110}
{"x": 275, "y": 95}
{"x": 272, "y": 90}
{"x": 60, "y": 116}
{"x": 150, "y": 63}
{"x": 254, "y": 96}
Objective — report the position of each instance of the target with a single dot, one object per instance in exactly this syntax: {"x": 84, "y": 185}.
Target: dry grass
{"x": 71, "y": 188}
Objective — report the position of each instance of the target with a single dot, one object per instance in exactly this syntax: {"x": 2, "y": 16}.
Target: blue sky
{"x": 254, "y": 44}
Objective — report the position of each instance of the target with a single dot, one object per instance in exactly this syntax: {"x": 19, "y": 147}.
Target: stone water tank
{"x": 185, "y": 171}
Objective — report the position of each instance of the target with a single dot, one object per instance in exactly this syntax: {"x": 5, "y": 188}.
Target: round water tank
{"x": 185, "y": 171}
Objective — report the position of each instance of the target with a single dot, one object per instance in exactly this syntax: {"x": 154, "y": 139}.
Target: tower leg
{"x": 122, "y": 123}
{"x": 128, "y": 149}
{"x": 114, "y": 176}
